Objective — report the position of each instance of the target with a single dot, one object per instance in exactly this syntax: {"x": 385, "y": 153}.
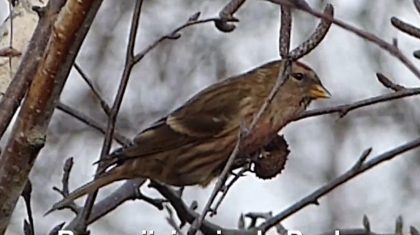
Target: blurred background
{"x": 321, "y": 147}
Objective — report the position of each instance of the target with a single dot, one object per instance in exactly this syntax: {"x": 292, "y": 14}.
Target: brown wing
{"x": 206, "y": 115}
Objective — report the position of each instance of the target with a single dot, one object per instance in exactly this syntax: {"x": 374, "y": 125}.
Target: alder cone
{"x": 272, "y": 159}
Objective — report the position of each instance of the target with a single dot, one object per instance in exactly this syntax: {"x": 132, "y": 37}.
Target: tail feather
{"x": 88, "y": 188}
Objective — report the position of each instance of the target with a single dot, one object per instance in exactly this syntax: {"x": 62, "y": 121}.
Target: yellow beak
{"x": 319, "y": 92}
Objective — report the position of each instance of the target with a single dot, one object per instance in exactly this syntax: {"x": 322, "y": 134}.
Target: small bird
{"x": 191, "y": 145}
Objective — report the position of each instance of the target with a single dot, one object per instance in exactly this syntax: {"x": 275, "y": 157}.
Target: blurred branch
{"x": 417, "y": 5}
{"x": 29, "y": 132}
{"x": 174, "y": 34}
{"x": 172, "y": 222}
{"x": 91, "y": 122}
{"x": 360, "y": 166}
{"x": 95, "y": 92}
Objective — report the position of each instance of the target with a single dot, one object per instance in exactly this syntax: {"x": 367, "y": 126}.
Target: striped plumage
{"x": 191, "y": 145}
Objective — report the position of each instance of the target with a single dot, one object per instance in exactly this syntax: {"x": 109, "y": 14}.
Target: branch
{"x": 28, "y": 65}
{"x": 285, "y": 31}
{"x": 29, "y": 132}
{"x": 219, "y": 184}
{"x": 316, "y": 38}
{"x": 91, "y": 122}
{"x": 79, "y": 225}
{"x": 344, "y": 109}
{"x": 95, "y": 92}
{"x": 186, "y": 214}
{"x": 174, "y": 34}
{"x": 360, "y": 166}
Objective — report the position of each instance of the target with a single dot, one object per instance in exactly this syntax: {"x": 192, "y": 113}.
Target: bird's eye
{"x": 297, "y": 76}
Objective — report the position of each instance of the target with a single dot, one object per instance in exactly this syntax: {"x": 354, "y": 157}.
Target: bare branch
{"x": 28, "y": 66}
{"x": 285, "y": 31}
{"x": 388, "y": 83}
{"x": 81, "y": 222}
{"x": 29, "y": 132}
{"x": 225, "y": 188}
{"x": 219, "y": 184}
{"x": 91, "y": 122}
{"x": 64, "y": 192}
{"x": 316, "y": 38}
{"x": 346, "y": 176}
{"x": 174, "y": 34}
{"x": 95, "y": 92}
{"x": 344, "y": 109}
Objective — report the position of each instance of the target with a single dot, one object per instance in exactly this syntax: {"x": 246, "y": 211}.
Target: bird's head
{"x": 305, "y": 83}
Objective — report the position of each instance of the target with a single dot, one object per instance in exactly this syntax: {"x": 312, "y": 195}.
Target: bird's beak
{"x": 319, "y": 92}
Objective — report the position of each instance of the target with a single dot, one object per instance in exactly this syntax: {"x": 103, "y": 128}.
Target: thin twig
{"x": 219, "y": 184}
{"x": 95, "y": 92}
{"x": 91, "y": 122}
{"x": 227, "y": 187}
{"x": 344, "y": 109}
{"x": 83, "y": 217}
{"x": 174, "y": 34}
{"x": 64, "y": 192}
{"x": 386, "y": 82}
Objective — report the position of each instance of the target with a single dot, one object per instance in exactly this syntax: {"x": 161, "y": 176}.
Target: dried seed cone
{"x": 273, "y": 158}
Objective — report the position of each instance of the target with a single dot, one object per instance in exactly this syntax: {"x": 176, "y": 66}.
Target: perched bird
{"x": 191, "y": 145}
